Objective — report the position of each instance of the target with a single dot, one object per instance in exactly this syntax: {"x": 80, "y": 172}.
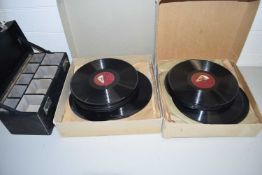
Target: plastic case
{"x": 32, "y": 83}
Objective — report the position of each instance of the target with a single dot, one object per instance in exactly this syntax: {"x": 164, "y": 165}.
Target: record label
{"x": 104, "y": 79}
{"x": 203, "y": 80}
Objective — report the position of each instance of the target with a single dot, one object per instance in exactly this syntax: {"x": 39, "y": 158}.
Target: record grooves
{"x": 206, "y": 92}
{"x": 108, "y": 89}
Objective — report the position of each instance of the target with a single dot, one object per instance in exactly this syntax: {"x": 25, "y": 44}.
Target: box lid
{"x": 13, "y": 53}
{"x": 102, "y": 28}
{"x": 203, "y": 29}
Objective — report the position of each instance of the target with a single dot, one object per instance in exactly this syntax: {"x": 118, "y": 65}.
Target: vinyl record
{"x": 231, "y": 114}
{"x": 202, "y": 84}
{"x": 104, "y": 84}
{"x": 108, "y": 89}
{"x": 138, "y": 101}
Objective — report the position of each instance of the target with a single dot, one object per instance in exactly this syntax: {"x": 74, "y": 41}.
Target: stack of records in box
{"x": 206, "y": 92}
{"x": 108, "y": 89}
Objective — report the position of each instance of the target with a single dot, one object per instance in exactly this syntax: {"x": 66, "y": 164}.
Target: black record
{"x": 202, "y": 84}
{"x": 138, "y": 101}
{"x": 104, "y": 84}
{"x": 231, "y": 114}
{"x": 108, "y": 89}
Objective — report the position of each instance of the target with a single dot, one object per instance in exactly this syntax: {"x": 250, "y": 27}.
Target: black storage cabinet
{"x": 30, "y": 83}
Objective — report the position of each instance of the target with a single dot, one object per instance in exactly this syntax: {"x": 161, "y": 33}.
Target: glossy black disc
{"x": 202, "y": 84}
{"x": 231, "y": 114}
{"x": 138, "y": 101}
{"x": 104, "y": 83}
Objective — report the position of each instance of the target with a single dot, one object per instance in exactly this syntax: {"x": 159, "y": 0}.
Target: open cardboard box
{"x": 145, "y": 121}
{"x": 73, "y": 16}
{"x": 214, "y": 30}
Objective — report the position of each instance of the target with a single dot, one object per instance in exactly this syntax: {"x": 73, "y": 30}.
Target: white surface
{"x": 253, "y": 78}
{"x": 128, "y": 155}
{"x": 131, "y": 155}
{"x": 252, "y": 52}
{"x": 39, "y": 20}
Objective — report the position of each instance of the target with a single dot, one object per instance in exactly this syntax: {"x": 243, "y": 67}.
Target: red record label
{"x": 104, "y": 79}
{"x": 203, "y": 80}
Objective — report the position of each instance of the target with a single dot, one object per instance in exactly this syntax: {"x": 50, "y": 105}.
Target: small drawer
{"x": 39, "y": 86}
{"x": 37, "y": 58}
{"x": 53, "y": 59}
{"x": 30, "y": 103}
{"x": 11, "y": 102}
{"x": 17, "y": 91}
{"x": 46, "y": 72}
{"x": 31, "y": 68}
{"x": 24, "y": 79}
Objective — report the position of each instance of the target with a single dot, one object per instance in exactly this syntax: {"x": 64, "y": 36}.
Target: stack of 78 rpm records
{"x": 206, "y": 92}
{"x": 108, "y": 89}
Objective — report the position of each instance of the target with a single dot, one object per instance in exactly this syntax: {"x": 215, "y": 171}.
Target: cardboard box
{"x": 145, "y": 121}
{"x": 68, "y": 123}
{"x": 213, "y": 30}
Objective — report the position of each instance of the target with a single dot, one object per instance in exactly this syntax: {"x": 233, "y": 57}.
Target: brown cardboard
{"x": 145, "y": 121}
{"x": 212, "y": 30}
{"x": 203, "y": 29}
{"x": 176, "y": 124}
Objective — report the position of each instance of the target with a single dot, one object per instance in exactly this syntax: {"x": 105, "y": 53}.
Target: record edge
{"x": 172, "y": 128}
{"x": 68, "y": 128}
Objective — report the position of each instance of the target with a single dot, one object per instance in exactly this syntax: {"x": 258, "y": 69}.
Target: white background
{"x": 118, "y": 155}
